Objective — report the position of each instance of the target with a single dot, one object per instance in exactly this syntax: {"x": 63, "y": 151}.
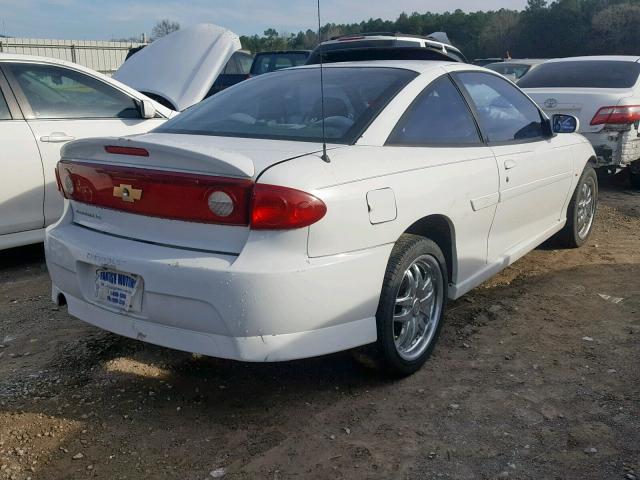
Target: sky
{"x": 106, "y": 19}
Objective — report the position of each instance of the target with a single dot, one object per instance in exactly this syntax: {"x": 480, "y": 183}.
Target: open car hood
{"x": 182, "y": 66}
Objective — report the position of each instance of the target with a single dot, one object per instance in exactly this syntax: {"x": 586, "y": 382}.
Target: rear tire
{"x": 581, "y": 211}
{"x": 412, "y": 304}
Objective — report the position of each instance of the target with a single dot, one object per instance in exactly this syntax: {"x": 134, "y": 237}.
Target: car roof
{"x": 418, "y": 66}
{"x": 19, "y": 57}
{"x": 618, "y": 58}
{"x": 524, "y": 61}
{"x": 354, "y": 37}
{"x": 279, "y": 52}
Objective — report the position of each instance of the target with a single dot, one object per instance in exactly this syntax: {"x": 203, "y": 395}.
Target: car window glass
{"x": 288, "y": 105}
{"x": 56, "y": 92}
{"x": 282, "y": 62}
{"x": 245, "y": 63}
{"x": 440, "y": 115}
{"x": 260, "y": 65}
{"x": 232, "y": 67}
{"x": 4, "y": 109}
{"x": 504, "y": 112}
{"x": 510, "y": 69}
{"x": 583, "y": 74}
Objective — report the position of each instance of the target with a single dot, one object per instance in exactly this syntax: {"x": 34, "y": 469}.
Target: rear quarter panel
{"x": 425, "y": 181}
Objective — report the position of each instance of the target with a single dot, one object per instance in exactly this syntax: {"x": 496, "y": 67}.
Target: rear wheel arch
{"x": 439, "y": 229}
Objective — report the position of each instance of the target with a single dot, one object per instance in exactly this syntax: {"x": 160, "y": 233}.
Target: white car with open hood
{"x": 180, "y": 69}
{"x": 45, "y": 103}
{"x": 225, "y": 232}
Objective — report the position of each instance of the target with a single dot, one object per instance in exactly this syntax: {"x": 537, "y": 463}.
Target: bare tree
{"x": 164, "y": 27}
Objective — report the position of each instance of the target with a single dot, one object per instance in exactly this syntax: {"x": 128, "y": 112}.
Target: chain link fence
{"x": 105, "y": 57}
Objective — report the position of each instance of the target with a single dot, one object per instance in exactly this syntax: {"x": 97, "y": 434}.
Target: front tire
{"x": 412, "y": 304}
{"x": 581, "y": 212}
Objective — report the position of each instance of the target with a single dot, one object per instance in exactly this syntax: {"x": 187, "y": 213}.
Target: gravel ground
{"x": 536, "y": 376}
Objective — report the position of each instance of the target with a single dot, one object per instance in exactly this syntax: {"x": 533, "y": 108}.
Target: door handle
{"x": 57, "y": 137}
{"x": 509, "y": 164}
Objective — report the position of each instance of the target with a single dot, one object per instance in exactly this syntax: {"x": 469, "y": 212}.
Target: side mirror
{"x": 565, "y": 124}
{"x": 147, "y": 109}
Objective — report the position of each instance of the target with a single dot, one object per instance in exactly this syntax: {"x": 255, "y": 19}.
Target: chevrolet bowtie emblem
{"x": 127, "y": 193}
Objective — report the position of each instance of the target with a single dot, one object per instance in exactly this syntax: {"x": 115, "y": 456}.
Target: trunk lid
{"x": 582, "y": 103}
{"x": 182, "y": 66}
{"x": 197, "y": 158}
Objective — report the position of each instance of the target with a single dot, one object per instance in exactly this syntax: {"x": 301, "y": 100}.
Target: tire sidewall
{"x": 408, "y": 251}
{"x": 588, "y": 172}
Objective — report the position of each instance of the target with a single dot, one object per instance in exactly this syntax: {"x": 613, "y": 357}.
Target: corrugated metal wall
{"x": 105, "y": 57}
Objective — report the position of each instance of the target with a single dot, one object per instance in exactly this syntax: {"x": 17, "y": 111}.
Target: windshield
{"x": 286, "y": 105}
{"x": 583, "y": 74}
{"x": 514, "y": 70}
{"x": 270, "y": 62}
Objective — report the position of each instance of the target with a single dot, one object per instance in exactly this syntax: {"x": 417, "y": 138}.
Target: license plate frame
{"x": 118, "y": 290}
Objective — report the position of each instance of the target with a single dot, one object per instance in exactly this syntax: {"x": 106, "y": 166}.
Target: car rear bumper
{"x": 260, "y": 308}
{"x": 615, "y": 148}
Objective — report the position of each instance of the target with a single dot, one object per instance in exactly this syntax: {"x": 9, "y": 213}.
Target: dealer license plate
{"x": 119, "y": 290}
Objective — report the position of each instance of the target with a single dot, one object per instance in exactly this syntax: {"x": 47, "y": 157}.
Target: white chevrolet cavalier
{"x": 225, "y": 232}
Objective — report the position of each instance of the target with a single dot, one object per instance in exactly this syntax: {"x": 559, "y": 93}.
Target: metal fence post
{"x": 73, "y": 53}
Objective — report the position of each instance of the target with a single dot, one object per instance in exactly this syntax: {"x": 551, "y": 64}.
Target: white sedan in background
{"x": 226, "y": 231}
{"x": 603, "y": 92}
{"x": 45, "y": 103}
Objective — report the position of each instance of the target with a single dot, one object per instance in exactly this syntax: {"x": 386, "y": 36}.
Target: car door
{"x": 21, "y": 180}
{"x": 535, "y": 167}
{"x": 439, "y": 130}
{"x": 61, "y": 104}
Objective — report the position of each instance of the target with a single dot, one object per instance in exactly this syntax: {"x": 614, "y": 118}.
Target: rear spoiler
{"x": 164, "y": 155}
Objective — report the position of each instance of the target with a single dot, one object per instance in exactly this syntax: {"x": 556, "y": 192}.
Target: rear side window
{"x": 56, "y": 92}
{"x": 583, "y": 74}
{"x": 504, "y": 112}
{"x": 4, "y": 109}
{"x": 439, "y": 116}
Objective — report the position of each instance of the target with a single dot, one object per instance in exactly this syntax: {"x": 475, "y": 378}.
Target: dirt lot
{"x": 537, "y": 375}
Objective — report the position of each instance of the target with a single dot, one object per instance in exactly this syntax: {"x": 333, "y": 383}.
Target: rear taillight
{"x": 282, "y": 208}
{"x": 619, "y": 115}
{"x": 176, "y": 196}
{"x": 188, "y": 197}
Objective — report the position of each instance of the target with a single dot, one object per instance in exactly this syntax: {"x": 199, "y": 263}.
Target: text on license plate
{"x": 118, "y": 289}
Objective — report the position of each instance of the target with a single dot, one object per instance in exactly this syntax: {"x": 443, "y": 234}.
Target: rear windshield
{"x": 583, "y": 74}
{"x": 265, "y": 63}
{"x": 514, "y": 70}
{"x": 287, "y": 105}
